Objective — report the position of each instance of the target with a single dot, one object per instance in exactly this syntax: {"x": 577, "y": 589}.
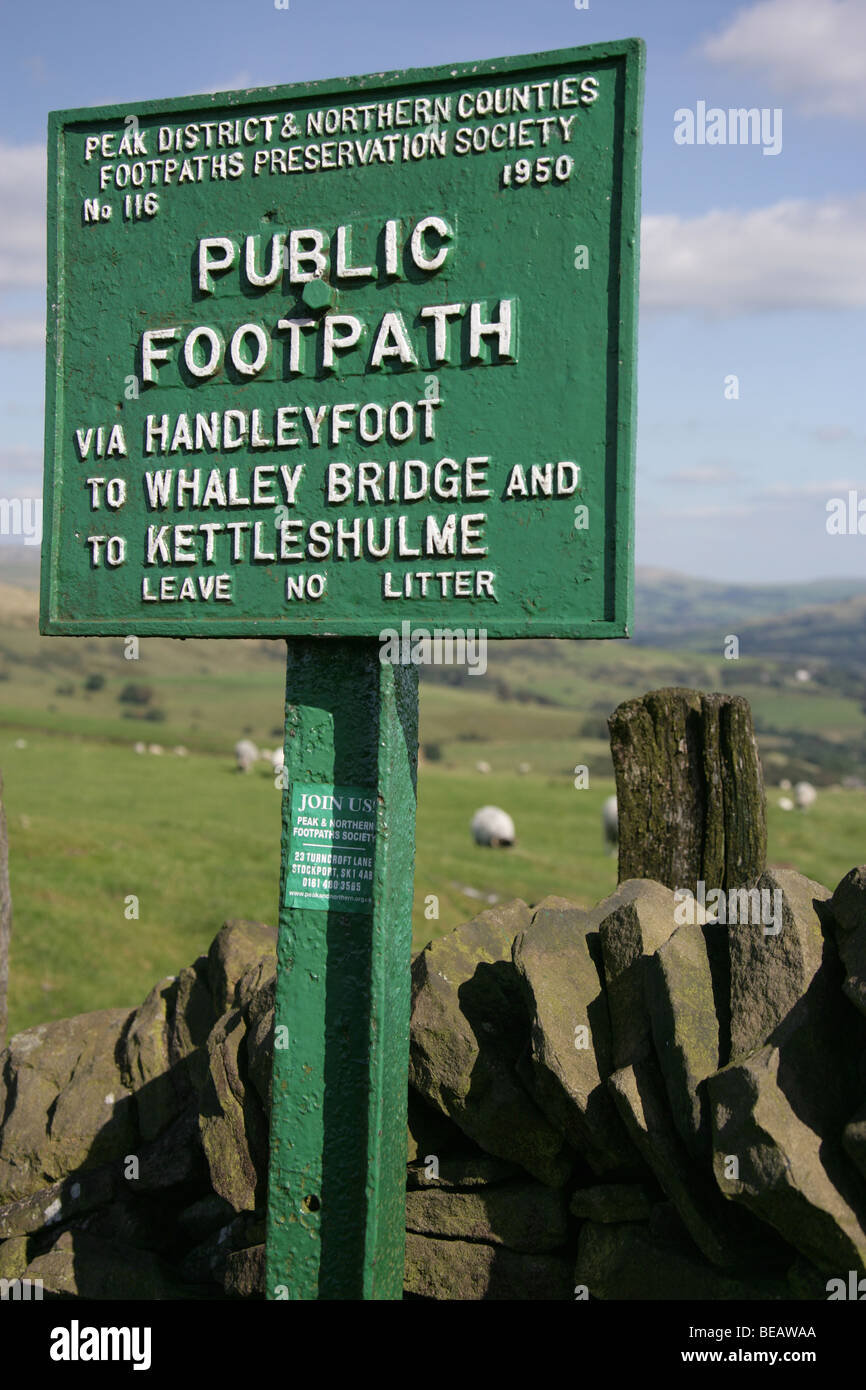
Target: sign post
{"x": 350, "y": 363}
{"x": 338, "y": 1131}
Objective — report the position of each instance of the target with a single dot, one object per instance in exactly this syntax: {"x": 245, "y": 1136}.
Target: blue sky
{"x": 753, "y": 264}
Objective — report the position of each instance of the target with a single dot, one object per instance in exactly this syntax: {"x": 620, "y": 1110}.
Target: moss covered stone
{"x": 468, "y": 1028}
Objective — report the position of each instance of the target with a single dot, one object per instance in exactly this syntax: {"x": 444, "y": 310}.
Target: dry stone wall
{"x": 612, "y": 1103}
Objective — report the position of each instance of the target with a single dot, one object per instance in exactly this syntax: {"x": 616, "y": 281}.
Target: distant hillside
{"x": 676, "y": 610}
{"x": 19, "y": 605}
{"x": 19, "y": 564}
{"x": 817, "y": 621}
{"x": 832, "y": 632}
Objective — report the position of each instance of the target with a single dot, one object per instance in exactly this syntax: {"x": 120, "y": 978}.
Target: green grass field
{"x": 92, "y": 824}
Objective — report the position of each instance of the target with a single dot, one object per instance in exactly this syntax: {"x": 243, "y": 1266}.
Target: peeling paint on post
{"x": 332, "y": 362}
{"x": 338, "y": 1132}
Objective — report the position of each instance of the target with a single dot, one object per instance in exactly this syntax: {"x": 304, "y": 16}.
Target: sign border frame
{"x": 632, "y": 53}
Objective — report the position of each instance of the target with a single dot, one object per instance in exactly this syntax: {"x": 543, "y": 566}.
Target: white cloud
{"x": 816, "y": 487}
{"x": 832, "y": 434}
{"x": 792, "y": 255}
{"x": 811, "y": 50}
{"x": 240, "y": 81}
{"x": 22, "y": 216}
{"x": 703, "y": 475}
{"x": 36, "y": 68}
{"x": 708, "y": 513}
{"x": 20, "y": 471}
{"x": 19, "y": 331}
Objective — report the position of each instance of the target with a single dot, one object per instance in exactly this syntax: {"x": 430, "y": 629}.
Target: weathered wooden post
{"x": 690, "y": 789}
{"x": 352, "y": 364}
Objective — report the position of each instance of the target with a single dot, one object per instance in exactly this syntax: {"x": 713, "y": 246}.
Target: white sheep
{"x": 482, "y": 767}
{"x": 785, "y": 803}
{"x": 246, "y": 753}
{"x": 140, "y": 747}
{"x": 493, "y": 826}
{"x": 523, "y": 768}
{"x": 277, "y": 759}
{"x": 805, "y": 795}
{"x": 610, "y": 824}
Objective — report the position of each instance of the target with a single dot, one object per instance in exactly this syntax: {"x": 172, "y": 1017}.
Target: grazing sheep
{"x": 785, "y": 803}
{"x": 155, "y": 748}
{"x": 494, "y": 827}
{"x": 523, "y": 768}
{"x": 805, "y": 795}
{"x": 482, "y": 767}
{"x": 140, "y": 747}
{"x": 246, "y": 753}
{"x": 277, "y": 759}
{"x": 180, "y": 751}
{"x": 610, "y": 824}
{"x": 469, "y": 892}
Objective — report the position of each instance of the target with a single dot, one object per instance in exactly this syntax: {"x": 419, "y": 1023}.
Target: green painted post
{"x": 338, "y": 1126}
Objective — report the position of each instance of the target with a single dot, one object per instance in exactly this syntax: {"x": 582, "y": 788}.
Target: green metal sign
{"x": 347, "y": 360}
{"x": 324, "y": 358}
